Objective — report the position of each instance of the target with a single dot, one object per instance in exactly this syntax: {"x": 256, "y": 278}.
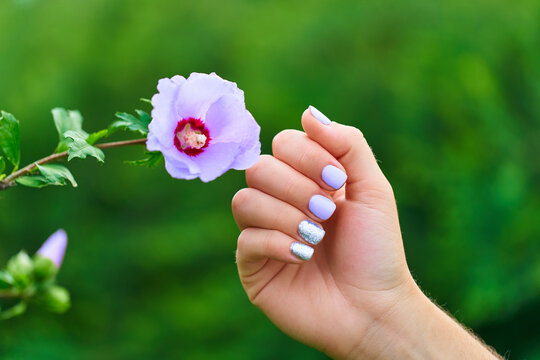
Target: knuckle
{"x": 267, "y": 243}
{"x": 381, "y": 189}
{"x": 355, "y": 134}
{"x": 387, "y": 186}
{"x": 290, "y": 189}
{"x": 239, "y": 199}
{"x": 256, "y": 170}
{"x": 281, "y": 138}
{"x": 302, "y": 159}
{"x": 243, "y": 240}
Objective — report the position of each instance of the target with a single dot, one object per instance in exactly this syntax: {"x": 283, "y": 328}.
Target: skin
{"x": 355, "y": 298}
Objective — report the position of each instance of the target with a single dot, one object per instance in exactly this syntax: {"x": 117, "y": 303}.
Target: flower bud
{"x": 55, "y": 247}
{"x": 55, "y": 299}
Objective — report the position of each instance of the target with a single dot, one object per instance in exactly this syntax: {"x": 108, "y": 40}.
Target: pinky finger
{"x": 255, "y": 244}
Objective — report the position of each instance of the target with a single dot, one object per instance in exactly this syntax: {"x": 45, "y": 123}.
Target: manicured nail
{"x": 301, "y": 251}
{"x": 310, "y": 232}
{"x": 319, "y": 115}
{"x": 333, "y": 176}
{"x": 321, "y": 206}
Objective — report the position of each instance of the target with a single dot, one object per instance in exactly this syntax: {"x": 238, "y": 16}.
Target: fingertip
{"x": 313, "y": 125}
{"x": 348, "y": 145}
{"x": 301, "y": 251}
{"x": 323, "y": 119}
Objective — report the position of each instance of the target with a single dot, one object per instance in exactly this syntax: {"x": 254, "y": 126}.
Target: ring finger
{"x": 254, "y": 208}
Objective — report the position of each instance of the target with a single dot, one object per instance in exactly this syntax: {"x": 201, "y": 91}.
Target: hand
{"x": 355, "y": 292}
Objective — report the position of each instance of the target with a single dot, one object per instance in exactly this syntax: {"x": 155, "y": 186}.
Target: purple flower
{"x": 55, "y": 247}
{"x": 202, "y": 127}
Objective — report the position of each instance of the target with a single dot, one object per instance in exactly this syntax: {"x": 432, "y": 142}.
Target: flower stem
{"x": 9, "y": 181}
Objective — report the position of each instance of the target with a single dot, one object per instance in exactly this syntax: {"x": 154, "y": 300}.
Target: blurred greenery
{"x": 446, "y": 92}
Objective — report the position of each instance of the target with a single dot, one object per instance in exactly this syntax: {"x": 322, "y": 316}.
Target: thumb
{"x": 348, "y": 145}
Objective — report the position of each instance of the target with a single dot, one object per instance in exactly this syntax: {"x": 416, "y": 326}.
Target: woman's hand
{"x": 354, "y": 297}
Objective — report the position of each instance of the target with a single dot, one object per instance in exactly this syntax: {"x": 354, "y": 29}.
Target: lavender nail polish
{"x": 301, "y": 251}
{"x": 321, "y": 206}
{"x": 319, "y": 115}
{"x": 334, "y": 176}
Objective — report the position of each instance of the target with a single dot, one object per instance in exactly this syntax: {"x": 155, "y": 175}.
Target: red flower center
{"x": 191, "y": 136}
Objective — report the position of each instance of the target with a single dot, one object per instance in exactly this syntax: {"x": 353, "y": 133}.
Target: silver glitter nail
{"x": 301, "y": 251}
{"x": 310, "y": 231}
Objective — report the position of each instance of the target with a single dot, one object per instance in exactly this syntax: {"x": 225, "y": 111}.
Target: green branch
{"x": 9, "y": 181}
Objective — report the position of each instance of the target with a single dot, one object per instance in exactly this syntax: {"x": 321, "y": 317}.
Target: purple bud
{"x": 55, "y": 247}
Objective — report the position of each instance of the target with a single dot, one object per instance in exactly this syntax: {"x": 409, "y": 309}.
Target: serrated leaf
{"x": 92, "y": 138}
{"x": 78, "y": 147}
{"x": 9, "y": 138}
{"x": 66, "y": 120}
{"x": 153, "y": 159}
{"x": 132, "y": 123}
{"x": 34, "y": 181}
{"x": 56, "y": 174}
{"x": 13, "y": 311}
{"x": 51, "y": 174}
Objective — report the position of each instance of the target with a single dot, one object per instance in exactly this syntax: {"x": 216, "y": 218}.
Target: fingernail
{"x": 333, "y": 176}
{"x": 319, "y": 115}
{"x": 310, "y": 232}
{"x": 301, "y": 251}
{"x": 321, "y": 206}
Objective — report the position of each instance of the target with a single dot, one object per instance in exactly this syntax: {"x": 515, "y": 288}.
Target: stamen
{"x": 191, "y": 136}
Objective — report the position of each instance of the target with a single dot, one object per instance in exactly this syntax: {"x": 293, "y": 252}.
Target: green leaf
{"x": 6, "y": 280}
{"x": 56, "y": 174}
{"x": 9, "y": 139}
{"x": 13, "y": 311}
{"x": 132, "y": 123}
{"x": 35, "y": 181}
{"x": 78, "y": 147}
{"x": 44, "y": 268}
{"x": 55, "y": 299}
{"x": 92, "y": 138}
{"x": 51, "y": 174}
{"x": 146, "y": 100}
{"x": 153, "y": 159}
{"x": 66, "y": 120}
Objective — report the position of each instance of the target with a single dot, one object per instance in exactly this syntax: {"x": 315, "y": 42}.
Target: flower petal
{"x": 164, "y": 119}
{"x": 247, "y": 158}
{"x": 229, "y": 121}
{"x": 200, "y": 91}
{"x": 219, "y": 104}
{"x": 216, "y": 160}
{"x": 178, "y": 169}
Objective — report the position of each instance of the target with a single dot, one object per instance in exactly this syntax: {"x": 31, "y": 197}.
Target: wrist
{"x": 396, "y": 332}
{"x": 416, "y": 328}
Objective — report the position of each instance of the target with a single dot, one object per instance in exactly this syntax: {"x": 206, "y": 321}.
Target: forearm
{"x": 419, "y": 329}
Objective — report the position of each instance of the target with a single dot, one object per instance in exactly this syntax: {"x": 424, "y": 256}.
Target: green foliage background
{"x": 447, "y": 93}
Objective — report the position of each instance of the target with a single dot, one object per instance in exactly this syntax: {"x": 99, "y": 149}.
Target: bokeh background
{"x": 447, "y": 93}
